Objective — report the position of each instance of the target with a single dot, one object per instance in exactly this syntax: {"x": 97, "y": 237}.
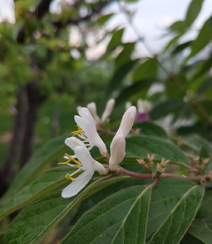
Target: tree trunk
{"x": 34, "y": 101}
{"x": 16, "y": 139}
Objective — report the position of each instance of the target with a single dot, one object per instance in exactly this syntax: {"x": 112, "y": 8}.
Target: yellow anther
{"x": 77, "y": 166}
{"x": 71, "y": 159}
{"x": 79, "y": 131}
{"x": 68, "y": 177}
{"x": 64, "y": 162}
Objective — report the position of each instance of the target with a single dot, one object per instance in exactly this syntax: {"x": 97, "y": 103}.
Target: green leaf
{"x": 189, "y": 239}
{"x": 203, "y": 68}
{"x": 173, "y": 206}
{"x": 195, "y": 142}
{"x": 34, "y": 223}
{"x": 202, "y": 229}
{"x": 203, "y": 38}
{"x": 193, "y": 11}
{"x": 205, "y": 210}
{"x": 119, "y": 75}
{"x": 178, "y": 26}
{"x": 35, "y": 190}
{"x": 181, "y": 47}
{"x": 151, "y": 129}
{"x": 172, "y": 42}
{"x": 31, "y": 225}
{"x": 102, "y": 19}
{"x": 46, "y": 155}
{"x": 139, "y": 146}
{"x": 204, "y": 86}
{"x": 131, "y": 90}
{"x": 165, "y": 108}
{"x": 121, "y": 218}
{"x": 125, "y": 55}
{"x": 148, "y": 69}
{"x": 115, "y": 40}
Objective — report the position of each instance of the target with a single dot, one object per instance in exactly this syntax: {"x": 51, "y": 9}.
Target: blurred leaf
{"x": 121, "y": 218}
{"x": 193, "y": 11}
{"x": 125, "y": 55}
{"x": 203, "y": 38}
{"x": 165, "y": 108}
{"x": 173, "y": 206}
{"x": 131, "y": 90}
{"x": 181, "y": 47}
{"x": 46, "y": 155}
{"x": 151, "y": 129}
{"x": 102, "y": 19}
{"x": 202, "y": 229}
{"x": 115, "y": 40}
{"x": 140, "y": 146}
{"x": 195, "y": 142}
{"x": 178, "y": 26}
{"x": 119, "y": 75}
{"x": 148, "y": 69}
{"x": 171, "y": 42}
{"x": 202, "y": 68}
{"x": 204, "y": 86}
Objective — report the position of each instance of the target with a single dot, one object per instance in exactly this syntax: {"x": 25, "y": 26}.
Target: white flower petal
{"x": 85, "y": 158}
{"x": 127, "y": 121}
{"x": 80, "y": 182}
{"x": 72, "y": 142}
{"x": 98, "y": 167}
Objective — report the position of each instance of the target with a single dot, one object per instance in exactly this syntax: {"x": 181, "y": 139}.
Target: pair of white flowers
{"x": 89, "y": 138}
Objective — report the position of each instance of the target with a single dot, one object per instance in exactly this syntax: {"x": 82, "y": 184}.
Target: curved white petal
{"x": 117, "y": 150}
{"x": 77, "y": 185}
{"x": 85, "y": 158}
{"x": 127, "y": 121}
{"x": 99, "y": 167}
{"x": 72, "y": 142}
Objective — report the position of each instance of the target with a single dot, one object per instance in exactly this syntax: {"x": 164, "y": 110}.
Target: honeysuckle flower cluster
{"x": 88, "y": 137}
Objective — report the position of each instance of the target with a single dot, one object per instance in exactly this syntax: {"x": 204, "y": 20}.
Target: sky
{"x": 151, "y": 18}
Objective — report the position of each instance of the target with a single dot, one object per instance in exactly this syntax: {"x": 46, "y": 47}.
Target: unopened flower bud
{"x": 92, "y": 109}
{"x": 127, "y": 121}
{"x": 164, "y": 162}
{"x": 159, "y": 168}
{"x": 203, "y": 181}
{"x": 150, "y": 157}
{"x": 141, "y": 161}
{"x": 108, "y": 109}
{"x": 117, "y": 151}
{"x": 205, "y": 160}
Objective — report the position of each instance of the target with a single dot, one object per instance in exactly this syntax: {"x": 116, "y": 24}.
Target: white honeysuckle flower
{"x": 87, "y": 131}
{"x": 127, "y": 121}
{"x": 108, "y": 109}
{"x": 92, "y": 108}
{"x": 117, "y": 151}
{"x": 84, "y": 163}
{"x": 143, "y": 106}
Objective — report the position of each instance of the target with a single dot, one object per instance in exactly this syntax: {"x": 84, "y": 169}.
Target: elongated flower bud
{"x": 117, "y": 150}
{"x": 127, "y": 121}
{"x": 92, "y": 109}
{"x": 108, "y": 109}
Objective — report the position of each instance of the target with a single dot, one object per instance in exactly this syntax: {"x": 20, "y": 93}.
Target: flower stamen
{"x": 68, "y": 177}
{"x": 79, "y": 131}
